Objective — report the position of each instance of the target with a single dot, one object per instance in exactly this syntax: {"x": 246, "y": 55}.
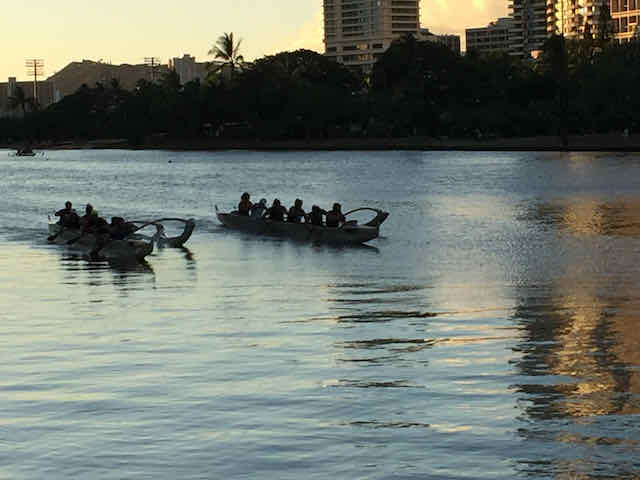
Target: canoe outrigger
{"x": 134, "y": 247}
{"x": 349, "y": 233}
{"x": 160, "y": 237}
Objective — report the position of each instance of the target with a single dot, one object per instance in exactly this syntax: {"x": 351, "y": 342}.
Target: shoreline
{"x": 613, "y": 142}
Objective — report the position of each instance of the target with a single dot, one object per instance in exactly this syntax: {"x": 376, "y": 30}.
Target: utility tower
{"x": 35, "y": 68}
{"x": 153, "y": 63}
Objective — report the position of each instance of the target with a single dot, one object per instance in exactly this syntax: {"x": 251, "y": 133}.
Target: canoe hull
{"x": 347, "y": 234}
{"x": 114, "y": 250}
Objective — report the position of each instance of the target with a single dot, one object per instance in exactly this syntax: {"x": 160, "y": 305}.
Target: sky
{"x": 127, "y": 31}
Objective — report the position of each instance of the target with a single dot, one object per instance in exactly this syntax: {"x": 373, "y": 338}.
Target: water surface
{"x": 491, "y": 332}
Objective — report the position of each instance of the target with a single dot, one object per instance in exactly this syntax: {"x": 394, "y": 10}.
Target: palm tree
{"x": 227, "y": 50}
{"x": 20, "y": 100}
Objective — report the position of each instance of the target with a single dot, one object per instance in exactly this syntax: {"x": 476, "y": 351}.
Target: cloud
{"x": 309, "y": 35}
{"x": 439, "y": 16}
{"x": 443, "y": 16}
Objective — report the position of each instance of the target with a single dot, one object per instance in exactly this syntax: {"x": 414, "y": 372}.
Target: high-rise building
{"x": 490, "y": 39}
{"x": 188, "y": 69}
{"x": 529, "y": 29}
{"x": 572, "y": 18}
{"x": 626, "y": 16}
{"x": 357, "y": 32}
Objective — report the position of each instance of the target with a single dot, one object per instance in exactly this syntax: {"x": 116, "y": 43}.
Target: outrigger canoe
{"x": 349, "y": 233}
{"x": 134, "y": 247}
{"x": 128, "y": 250}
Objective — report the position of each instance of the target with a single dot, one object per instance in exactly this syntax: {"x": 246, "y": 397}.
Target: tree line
{"x": 416, "y": 88}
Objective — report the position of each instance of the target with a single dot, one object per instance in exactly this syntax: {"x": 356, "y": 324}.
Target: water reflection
{"x": 373, "y": 424}
{"x": 582, "y": 346}
{"x": 591, "y": 216}
{"x": 579, "y": 358}
{"x": 124, "y": 276}
{"x": 188, "y": 256}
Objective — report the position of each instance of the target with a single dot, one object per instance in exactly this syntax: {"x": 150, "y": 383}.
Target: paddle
{"x": 51, "y": 238}
{"x": 74, "y": 240}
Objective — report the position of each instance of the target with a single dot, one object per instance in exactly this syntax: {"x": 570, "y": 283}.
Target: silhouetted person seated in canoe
{"x": 244, "y": 207}
{"x": 258, "y": 209}
{"x": 296, "y": 213}
{"x": 315, "y": 216}
{"x": 335, "y": 218}
{"x": 118, "y": 228}
{"x": 91, "y": 222}
{"x": 68, "y": 216}
{"x": 276, "y": 212}
{"x": 85, "y": 219}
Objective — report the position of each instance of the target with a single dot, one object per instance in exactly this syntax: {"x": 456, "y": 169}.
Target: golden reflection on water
{"x": 587, "y": 331}
{"x": 591, "y": 216}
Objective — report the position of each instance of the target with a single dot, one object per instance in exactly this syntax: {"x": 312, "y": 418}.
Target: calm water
{"x": 491, "y": 333}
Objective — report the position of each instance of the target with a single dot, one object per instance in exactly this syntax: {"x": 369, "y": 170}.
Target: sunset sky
{"x": 126, "y": 31}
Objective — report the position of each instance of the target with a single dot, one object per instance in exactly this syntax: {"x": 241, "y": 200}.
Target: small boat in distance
{"x": 25, "y": 151}
{"x": 348, "y": 233}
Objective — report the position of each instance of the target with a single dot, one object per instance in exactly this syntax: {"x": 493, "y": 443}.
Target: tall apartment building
{"x": 490, "y": 39}
{"x": 529, "y": 29}
{"x": 188, "y": 69}
{"x": 626, "y": 16}
{"x": 357, "y": 32}
{"x": 571, "y": 18}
